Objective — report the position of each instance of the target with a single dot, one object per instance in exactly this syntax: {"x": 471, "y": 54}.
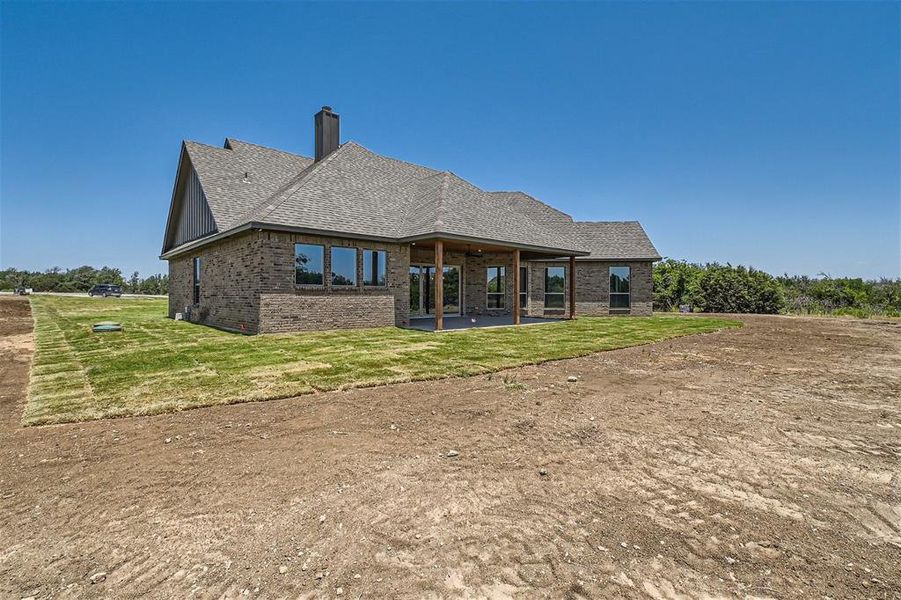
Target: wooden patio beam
{"x": 439, "y": 285}
{"x": 572, "y": 287}
{"x": 516, "y": 284}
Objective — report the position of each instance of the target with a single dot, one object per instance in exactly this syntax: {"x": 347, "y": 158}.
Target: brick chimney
{"x": 327, "y": 136}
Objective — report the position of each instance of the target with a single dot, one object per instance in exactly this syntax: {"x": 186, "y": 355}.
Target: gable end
{"x": 190, "y": 217}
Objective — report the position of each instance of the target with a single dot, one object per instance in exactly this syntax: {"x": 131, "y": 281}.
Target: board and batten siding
{"x": 194, "y": 217}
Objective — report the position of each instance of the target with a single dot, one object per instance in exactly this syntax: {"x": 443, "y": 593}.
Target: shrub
{"x": 713, "y": 287}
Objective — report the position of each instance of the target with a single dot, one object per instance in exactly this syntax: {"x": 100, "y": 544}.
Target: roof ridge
{"x": 534, "y": 199}
{"x": 232, "y": 139}
{"x": 593, "y": 222}
{"x": 205, "y": 145}
{"x": 410, "y": 201}
{"x": 398, "y": 160}
{"x": 442, "y": 199}
{"x": 297, "y": 182}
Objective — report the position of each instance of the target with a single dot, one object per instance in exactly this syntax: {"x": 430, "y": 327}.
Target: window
{"x": 308, "y": 268}
{"x": 344, "y": 266}
{"x": 374, "y": 267}
{"x": 523, "y": 287}
{"x": 196, "y": 280}
{"x": 497, "y": 285}
{"x": 619, "y": 288}
{"x": 554, "y": 287}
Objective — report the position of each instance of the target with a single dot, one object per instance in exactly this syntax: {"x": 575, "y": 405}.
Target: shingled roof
{"x": 612, "y": 240}
{"x": 358, "y": 193}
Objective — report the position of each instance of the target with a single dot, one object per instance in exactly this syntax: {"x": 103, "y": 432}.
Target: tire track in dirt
{"x": 673, "y": 470}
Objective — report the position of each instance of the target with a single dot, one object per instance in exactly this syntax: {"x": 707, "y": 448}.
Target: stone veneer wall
{"x": 593, "y": 287}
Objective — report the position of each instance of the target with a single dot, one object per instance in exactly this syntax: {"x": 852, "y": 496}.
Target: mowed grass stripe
{"x": 158, "y": 365}
{"x": 59, "y": 382}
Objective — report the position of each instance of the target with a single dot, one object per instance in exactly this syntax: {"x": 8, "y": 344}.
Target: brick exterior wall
{"x": 475, "y": 277}
{"x": 426, "y": 256}
{"x": 317, "y": 312}
{"x": 535, "y": 305}
{"x": 593, "y": 287}
{"x": 291, "y": 307}
{"x": 229, "y": 284}
{"x": 247, "y": 284}
{"x": 477, "y": 283}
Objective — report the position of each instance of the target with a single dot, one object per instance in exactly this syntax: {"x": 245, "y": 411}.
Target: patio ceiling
{"x": 476, "y": 246}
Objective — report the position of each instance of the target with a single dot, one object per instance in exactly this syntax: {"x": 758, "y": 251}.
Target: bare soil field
{"x": 753, "y": 462}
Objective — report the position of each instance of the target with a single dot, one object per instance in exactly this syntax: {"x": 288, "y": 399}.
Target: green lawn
{"x": 158, "y": 365}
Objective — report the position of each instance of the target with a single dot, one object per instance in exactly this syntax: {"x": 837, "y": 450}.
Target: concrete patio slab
{"x": 469, "y": 322}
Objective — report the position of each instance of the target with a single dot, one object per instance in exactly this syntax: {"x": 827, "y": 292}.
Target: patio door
{"x": 422, "y": 290}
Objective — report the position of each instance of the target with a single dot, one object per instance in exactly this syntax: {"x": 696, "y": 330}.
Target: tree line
{"x": 715, "y": 287}
{"x": 710, "y": 287}
{"x": 81, "y": 279}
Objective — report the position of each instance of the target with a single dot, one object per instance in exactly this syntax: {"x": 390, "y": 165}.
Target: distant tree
{"x": 671, "y": 281}
{"x": 714, "y": 287}
{"x": 155, "y": 284}
{"x": 134, "y": 283}
{"x": 842, "y": 295}
{"x": 80, "y": 279}
{"x": 724, "y": 288}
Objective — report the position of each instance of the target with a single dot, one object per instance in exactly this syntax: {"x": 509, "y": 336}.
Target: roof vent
{"x": 327, "y": 136}
{"x": 246, "y": 178}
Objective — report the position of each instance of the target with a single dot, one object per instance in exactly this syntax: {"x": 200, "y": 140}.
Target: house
{"x": 259, "y": 240}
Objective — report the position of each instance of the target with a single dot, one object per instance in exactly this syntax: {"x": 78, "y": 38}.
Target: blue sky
{"x": 754, "y": 133}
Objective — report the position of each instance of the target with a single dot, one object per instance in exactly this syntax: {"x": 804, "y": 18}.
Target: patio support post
{"x": 516, "y": 284}
{"x": 572, "y": 287}
{"x": 439, "y": 285}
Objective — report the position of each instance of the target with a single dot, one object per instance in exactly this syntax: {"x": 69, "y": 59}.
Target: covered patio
{"x": 466, "y": 322}
{"x": 428, "y": 259}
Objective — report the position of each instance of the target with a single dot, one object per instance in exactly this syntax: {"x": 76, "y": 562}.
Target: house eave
{"x": 198, "y": 243}
{"x": 322, "y": 232}
{"x": 488, "y": 241}
{"x": 618, "y": 258}
{"x": 261, "y": 226}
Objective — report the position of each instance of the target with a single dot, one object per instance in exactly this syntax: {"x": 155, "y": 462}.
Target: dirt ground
{"x": 761, "y": 462}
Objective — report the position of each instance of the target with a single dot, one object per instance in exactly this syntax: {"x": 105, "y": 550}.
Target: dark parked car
{"x": 105, "y": 290}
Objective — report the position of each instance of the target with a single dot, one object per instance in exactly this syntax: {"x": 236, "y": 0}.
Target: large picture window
{"x": 619, "y": 288}
{"x": 375, "y": 264}
{"x": 555, "y": 287}
{"x": 344, "y": 266}
{"x": 497, "y": 285}
{"x": 308, "y": 264}
{"x": 196, "y": 296}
